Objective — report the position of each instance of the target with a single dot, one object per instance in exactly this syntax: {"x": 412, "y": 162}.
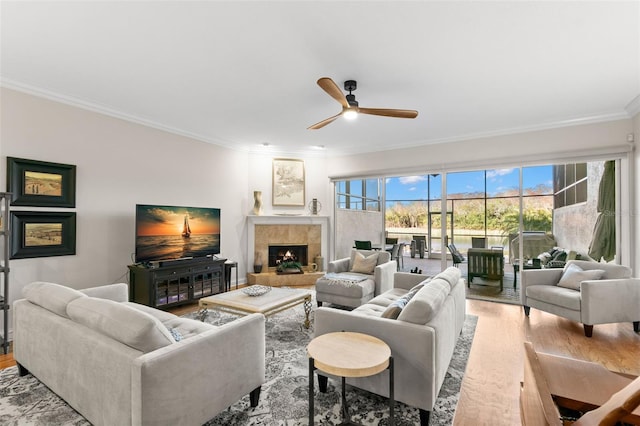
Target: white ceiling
{"x": 240, "y": 74}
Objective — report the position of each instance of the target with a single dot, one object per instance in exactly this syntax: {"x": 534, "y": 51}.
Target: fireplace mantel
{"x": 279, "y": 220}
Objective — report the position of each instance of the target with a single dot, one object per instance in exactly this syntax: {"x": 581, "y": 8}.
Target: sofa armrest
{"x": 613, "y": 300}
{"x": 383, "y": 276}
{"x": 339, "y": 265}
{"x": 116, "y": 292}
{"x": 213, "y": 369}
{"x": 406, "y": 280}
{"x": 540, "y": 277}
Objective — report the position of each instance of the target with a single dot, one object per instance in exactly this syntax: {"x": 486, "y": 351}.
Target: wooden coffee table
{"x": 348, "y": 354}
{"x": 239, "y": 303}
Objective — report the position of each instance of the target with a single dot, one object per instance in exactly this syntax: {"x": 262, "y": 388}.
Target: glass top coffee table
{"x": 276, "y": 300}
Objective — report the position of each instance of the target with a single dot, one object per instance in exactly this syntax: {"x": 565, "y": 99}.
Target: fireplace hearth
{"x": 288, "y": 252}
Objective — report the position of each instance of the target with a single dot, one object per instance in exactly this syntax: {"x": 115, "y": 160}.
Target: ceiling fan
{"x": 350, "y": 108}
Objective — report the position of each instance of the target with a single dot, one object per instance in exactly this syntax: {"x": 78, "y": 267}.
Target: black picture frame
{"x": 42, "y": 234}
{"x": 40, "y": 183}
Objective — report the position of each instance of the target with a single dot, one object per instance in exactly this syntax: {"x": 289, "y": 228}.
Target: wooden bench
{"x": 485, "y": 263}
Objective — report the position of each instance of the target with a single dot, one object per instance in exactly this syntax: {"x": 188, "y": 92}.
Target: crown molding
{"x": 601, "y": 118}
{"x": 630, "y": 110}
{"x": 633, "y": 107}
{"x": 111, "y": 112}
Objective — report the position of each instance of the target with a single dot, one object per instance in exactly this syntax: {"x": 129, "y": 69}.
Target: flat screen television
{"x": 174, "y": 232}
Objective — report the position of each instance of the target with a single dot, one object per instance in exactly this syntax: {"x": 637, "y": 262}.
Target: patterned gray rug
{"x": 284, "y": 396}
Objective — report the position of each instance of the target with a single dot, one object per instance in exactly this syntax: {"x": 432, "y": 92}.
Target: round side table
{"x": 348, "y": 354}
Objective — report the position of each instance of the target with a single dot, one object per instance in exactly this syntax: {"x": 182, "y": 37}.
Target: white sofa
{"x": 343, "y": 286}
{"x": 614, "y": 297}
{"x": 422, "y": 338}
{"x": 120, "y": 363}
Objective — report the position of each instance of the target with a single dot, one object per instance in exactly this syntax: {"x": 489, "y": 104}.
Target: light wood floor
{"x": 490, "y": 389}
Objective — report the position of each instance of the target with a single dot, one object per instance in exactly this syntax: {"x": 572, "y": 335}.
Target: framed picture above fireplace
{"x": 288, "y": 182}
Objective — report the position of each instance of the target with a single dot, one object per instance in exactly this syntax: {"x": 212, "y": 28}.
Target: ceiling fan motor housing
{"x": 350, "y": 86}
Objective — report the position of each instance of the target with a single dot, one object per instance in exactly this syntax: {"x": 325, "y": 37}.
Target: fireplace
{"x": 289, "y": 231}
{"x": 293, "y": 252}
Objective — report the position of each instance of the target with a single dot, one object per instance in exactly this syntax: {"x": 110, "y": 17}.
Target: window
{"x": 358, "y": 194}
{"x": 569, "y": 184}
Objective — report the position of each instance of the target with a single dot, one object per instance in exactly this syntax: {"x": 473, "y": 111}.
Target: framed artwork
{"x": 41, "y": 184}
{"x": 288, "y": 182}
{"x": 42, "y": 234}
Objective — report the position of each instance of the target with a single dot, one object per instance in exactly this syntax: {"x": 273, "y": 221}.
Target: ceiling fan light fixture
{"x": 350, "y": 114}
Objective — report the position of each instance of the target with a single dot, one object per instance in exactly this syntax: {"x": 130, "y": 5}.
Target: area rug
{"x": 490, "y": 291}
{"x": 284, "y": 397}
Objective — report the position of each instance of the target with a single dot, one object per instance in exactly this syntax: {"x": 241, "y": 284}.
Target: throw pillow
{"x": 573, "y": 275}
{"x": 364, "y": 265}
{"x": 176, "y": 334}
{"x": 395, "y": 308}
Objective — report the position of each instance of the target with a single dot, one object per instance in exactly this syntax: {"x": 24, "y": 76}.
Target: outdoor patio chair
{"x": 362, "y": 245}
{"x": 419, "y": 246}
{"x": 396, "y": 254}
{"x": 457, "y": 257}
{"x": 478, "y": 242}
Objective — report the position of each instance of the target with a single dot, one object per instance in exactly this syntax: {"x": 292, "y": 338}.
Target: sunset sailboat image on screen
{"x": 186, "y": 231}
{"x": 174, "y": 232}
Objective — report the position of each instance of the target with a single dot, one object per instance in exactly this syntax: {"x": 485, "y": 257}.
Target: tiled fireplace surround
{"x": 282, "y": 230}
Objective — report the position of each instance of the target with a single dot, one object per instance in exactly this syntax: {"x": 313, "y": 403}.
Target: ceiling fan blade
{"x": 399, "y": 113}
{"x": 324, "y": 122}
{"x": 333, "y": 90}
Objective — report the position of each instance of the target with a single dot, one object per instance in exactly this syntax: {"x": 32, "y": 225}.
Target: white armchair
{"x": 615, "y": 297}
{"x": 349, "y": 282}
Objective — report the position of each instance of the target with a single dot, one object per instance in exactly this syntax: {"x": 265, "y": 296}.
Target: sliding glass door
{"x": 554, "y": 203}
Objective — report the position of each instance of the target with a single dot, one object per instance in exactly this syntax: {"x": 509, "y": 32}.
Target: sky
{"x": 498, "y": 180}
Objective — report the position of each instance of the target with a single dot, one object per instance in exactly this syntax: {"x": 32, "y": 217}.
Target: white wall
{"x": 536, "y": 147}
{"x": 317, "y": 184}
{"x": 635, "y": 206}
{"x": 119, "y": 164}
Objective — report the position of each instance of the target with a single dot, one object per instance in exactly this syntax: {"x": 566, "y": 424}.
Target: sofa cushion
{"x": 554, "y": 295}
{"x": 157, "y": 313}
{"x": 52, "y": 297}
{"x": 346, "y": 287}
{"x": 186, "y": 327}
{"x": 426, "y": 303}
{"x": 388, "y": 297}
{"x": 364, "y": 265}
{"x": 451, "y": 275}
{"x": 573, "y": 275}
{"x": 123, "y": 323}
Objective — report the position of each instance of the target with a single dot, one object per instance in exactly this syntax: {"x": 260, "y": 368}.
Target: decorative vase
{"x": 314, "y": 206}
{"x": 257, "y": 203}
{"x": 319, "y": 260}
{"x": 257, "y": 263}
